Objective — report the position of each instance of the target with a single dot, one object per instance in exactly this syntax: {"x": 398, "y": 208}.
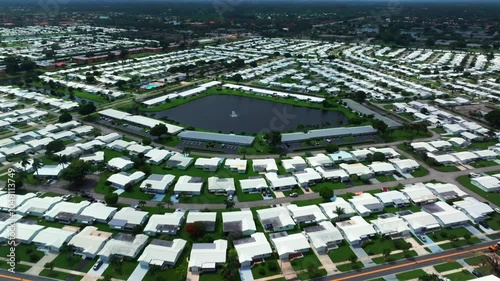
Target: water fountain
{"x": 233, "y": 114}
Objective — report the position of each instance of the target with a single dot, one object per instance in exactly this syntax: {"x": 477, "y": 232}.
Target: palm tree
{"x": 62, "y": 159}
{"x": 168, "y": 202}
{"x": 160, "y": 205}
{"x": 25, "y": 161}
{"x": 37, "y": 164}
{"x": 340, "y": 212}
{"x": 141, "y": 203}
{"x": 229, "y": 204}
{"x": 429, "y": 277}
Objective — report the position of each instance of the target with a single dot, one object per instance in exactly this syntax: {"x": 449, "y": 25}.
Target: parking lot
{"x": 226, "y": 148}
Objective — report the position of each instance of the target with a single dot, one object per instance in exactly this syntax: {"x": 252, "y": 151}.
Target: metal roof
{"x": 330, "y": 132}
{"x": 216, "y": 137}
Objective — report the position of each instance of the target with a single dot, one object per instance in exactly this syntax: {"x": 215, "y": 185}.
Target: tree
{"x": 128, "y": 187}
{"x": 168, "y": 202}
{"x": 492, "y": 262}
{"x": 429, "y": 277}
{"x": 159, "y": 130}
{"x": 493, "y": 117}
{"x": 37, "y": 164}
{"x": 424, "y": 111}
{"x": 55, "y": 146}
{"x": 65, "y": 117}
{"x": 76, "y": 171}
{"x": 378, "y": 156}
{"x": 386, "y": 252}
{"x": 313, "y": 270}
{"x": 353, "y": 258}
{"x": 111, "y": 198}
{"x": 160, "y": 206}
{"x": 331, "y": 148}
{"x": 237, "y": 78}
{"x": 326, "y": 193}
{"x": 146, "y": 141}
{"x": 359, "y": 96}
{"x": 340, "y": 212}
{"x": 273, "y": 138}
{"x": 86, "y": 108}
{"x": 196, "y": 229}
{"x": 49, "y": 265}
{"x": 141, "y": 203}
{"x": 380, "y": 126}
{"x": 25, "y": 161}
{"x": 229, "y": 204}
{"x": 230, "y": 269}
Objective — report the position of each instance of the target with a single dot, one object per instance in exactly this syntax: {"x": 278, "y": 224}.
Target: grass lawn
{"x": 484, "y": 163}
{"x": 492, "y": 197}
{"x": 494, "y": 222}
{"x": 395, "y": 257}
{"x": 342, "y": 253}
{"x": 278, "y": 279}
{"x": 59, "y": 275}
{"x": 420, "y": 172}
{"x": 460, "y": 243}
{"x": 401, "y": 134}
{"x": 444, "y": 234}
{"x": 263, "y": 269}
{"x": 89, "y": 96}
{"x": 214, "y": 276}
{"x": 350, "y": 266}
{"x": 18, "y": 268}
{"x": 439, "y": 130}
{"x": 474, "y": 260}
{"x": 24, "y": 252}
{"x": 482, "y": 144}
{"x": 377, "y": 246}
{"x": 461, "y": 276}
{"x": 72, "y": 262}
{"x": 447, "y": 266}
{"x": 309, "y": 202}
{"x": 308, "y": 258}
{"x": 307, "y": 276}
{"x": 446, "y": 169}
{"x": 121, "y": 271}
{"x": 410, "y": 274}
{"x": 385, "y": 178}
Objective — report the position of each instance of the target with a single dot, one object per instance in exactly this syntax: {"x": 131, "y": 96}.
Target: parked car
{"x": 293, "y": 194}
{"x": 477, "y": 273}
{"x": 97, "y": 265}
{"x": 67, "y": 197}
{"x": 422, "y": 238}
{"x": 474, "y": 175}
{"x": 230, "y": 197}
{"x": 497, "y": 210}
{"x": 38, "y": 194}
{"x": 177, "y": 196}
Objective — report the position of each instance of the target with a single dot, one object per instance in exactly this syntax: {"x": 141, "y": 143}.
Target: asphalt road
{"x": 8, "y": 276}
{"x": 409, "y": 264}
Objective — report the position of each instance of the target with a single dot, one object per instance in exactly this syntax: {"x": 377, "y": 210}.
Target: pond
{"x": 236, "y": 114}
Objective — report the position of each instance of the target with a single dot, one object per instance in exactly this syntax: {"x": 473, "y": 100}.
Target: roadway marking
{"x": 13, "y": 278}
{"x": 408, "y": 264}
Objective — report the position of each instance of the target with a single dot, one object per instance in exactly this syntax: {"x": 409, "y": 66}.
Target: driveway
{"x": 246, "y": 274}
{"x": 362, "y": 256}
{"x": 474, "y": 231}
{"x": 287, "y": 269}
{"x": 98, "y": 272}
{"x": 138, "y": 273}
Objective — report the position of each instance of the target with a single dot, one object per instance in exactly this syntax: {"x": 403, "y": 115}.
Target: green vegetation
{"x": 307, "y": 259}
{"x": 307, "y": 276}
{"x": 60, "y": 275}
{"x": 460, "y": 276}
{"x": 350, "y": 266}
{"x": 395, "y": 257}
{"x": 492, "y": 197}
{"x": 475, "y": 260}
{"x": 121, "y": 270}
{"x": 24, "y": 252}
{"x": 72, "y": 262}
{"x": 385, "y": 178}
{"x": 18, "y": 268}
{"x": 484, "y": 163}
{"x": 447, "y": 266}
{"x": 410, "y": 274}
{"x": 377, "y": 246}
{"x": 267, "y": 268}
{"x": 446, "y": 169}
{"x": 420, "y": 172}
{"x": 342, "y": 253}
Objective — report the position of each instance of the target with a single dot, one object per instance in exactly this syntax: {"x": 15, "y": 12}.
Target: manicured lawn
{"x": 447, "y": 266}
{"x": 395, "y": 257}
{"x": 474, "y": 260}
{"x": 444, "y": 234}
{"x": 461, "y": 276}
{"x": 420, "y": 172}
{"x": 308, "y": 258}
{"x": 494, "y": 222}
{"x": 278, "y": 279}
{"x": 89, "y": 96}
{"x": 342, "y": 253}
{"x": 214, "y": 276}
{"x": 24, "y": 252}
{"x": 385, "y": 178}
{"x": 18, "y": 268}
{"x": 70, "y": 261}
{"x": 309, "y": 202}
{"x": 484, "y": 163}
{"x": 121, "y": 271}
{"x": 59, "y": 275}
{"x": 401, "y": 134}
{"x": 446, "y": 169}
{"x": 245, "y": 197}
{"x": 350, "y": 266}
{"x": 482, "y": 144}
{"x": 269, "y": 267}
{"x": 460, "y": 243}
{"x": 492, "y": 197}
{"x": 410, "y": 274}
{"x": 307, "y": 276}
{"x": 377, "y": 246}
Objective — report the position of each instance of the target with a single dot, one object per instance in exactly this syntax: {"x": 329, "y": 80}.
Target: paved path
{"x": 38, "y": 267}
{"x": 287, "y": 269}
{"x": 327, "y": 263}
{"x": 416, "y": 246}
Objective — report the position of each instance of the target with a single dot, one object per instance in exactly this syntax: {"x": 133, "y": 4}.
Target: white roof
{"x": 90, "y": 239}
{"x": 157, "y": 254}
{"x": 173, "y": 219}
{"x": 207, "y": 255}
{"x": 188, "y": 184}
{"x": 54, "y": 237}
{"x": 214, "y": 161}
{"x": 14, "y": 200}
{"x": 381, "y": 167}
{"x": 319, "y": 160}
{"x": 355, "y": 229}
{"x": 361, "y": 153}
{"x": 109, "y": 137}
{"x": 236, "y": 163}
{"x": 474, "y": 208}
{"x": 279, "y": 213}
{"x": 443, "y": 188}
{"x": 277, "y": 181}
{"x": 130, "y": 215}
{"x": 403, "y": 164}
{"x": 254, "y": 247}
{"x": 98, "y": 211}
{"x": 123, "y": 178}
{"x": 330, "y": 208}
{"x": 458, "y": 141}
{"x": 96, "y": 157}
{"x": 307, "y": 175}
{"x": 67, "y": 207}
{"x": 444, "y": 158}
{"x": 464, "y": 156}
{"x": 306, "y": 213}
{"x": 269, "y": 164}
{"x": 418, "y": 193}
{"x": 328, "y": 173}
{"x": 323, "y": 234}
{"x": 24, "y": 232}
{"x": 420, "y": 220}
{"x": 387, "y": 151}
{"x": 355, "y": 169}
{"x": 194, "y": 216}
{"x": 445, "y": 213}
{"x": 218, "y": 184}
{"x": 157, "y": 182}
{"x": 125, "y": 247}
{"x": 251, "y": 183}
{"x": 487, "y": 182}
{"x": 120, "y": 144}
{"x": 158, "y": 155}
{"x": 423, "y": 146}
{"x": 50, "y": 170}
{"x": 485, "y": 153}
{"x": 288, "y": 244}
{"x": 245, "y": 217}
{"x": 390, "y": 196}
{"x": 293, "y": 162}
{"x": 119, "y": 163}
{"x": 341, "y": 156}
{"x": 362, "y": 200}
{"x": 181, "y": 159}
{"x": 39, "y": 204}
{"x": 9, "y": 221}
{"x": 440, "y": 144}
{"x": 139, "y": 148}
{"x": 390, "y": 225}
